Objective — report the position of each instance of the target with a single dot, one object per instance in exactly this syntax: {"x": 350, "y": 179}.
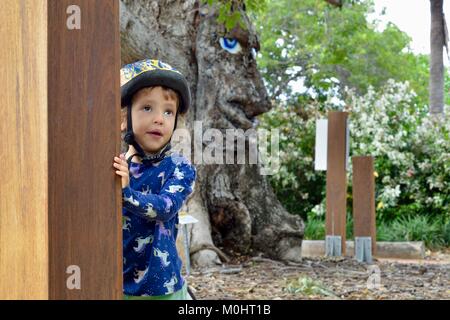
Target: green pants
{"x": 181, "y": 294}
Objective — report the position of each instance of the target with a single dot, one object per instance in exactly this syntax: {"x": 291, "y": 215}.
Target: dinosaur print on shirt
{"x": 173, "y": 189}
{"x": 126, "y": 223}
{"x": 151, "y": 202}
{"x": 142, "y": 242}
{"x": 134, "y": 171}
{"x": 131, "y": 200}
{"x": 162, "y": 230}
{"x": 149, "y": 212}
{"x": 139, "y": 275}
{"x": 162, "y": 176}
{"x": 146, "y": 190}
{"x": 170, "y": 284}
{"x": 163, "y": 255}
{"x": 178, "y": 174}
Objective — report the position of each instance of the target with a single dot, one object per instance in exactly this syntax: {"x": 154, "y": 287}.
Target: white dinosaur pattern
{"x": 149, "y": 212}
{"x": 146, "y": 191}
{"x": 162, "y": 176}
{"x": 141, "y": 242}
{"x": 173, "y": 189}
{"x": 178, "y": 174}
{"x": 125, "y": 223}
{"x": 170, "y": 285}
{"x": 132, "y": 201}
{"x": 163, "y": 255}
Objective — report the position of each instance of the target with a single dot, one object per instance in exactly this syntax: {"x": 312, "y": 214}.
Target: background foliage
{"x": 316, "y": 58}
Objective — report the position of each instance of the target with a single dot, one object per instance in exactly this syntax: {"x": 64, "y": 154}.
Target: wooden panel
{"x": 84, "y": 108}
{"x": 364, "y": 198}
{"x": 23, "y": 150}
{"x": 336, "y": 197}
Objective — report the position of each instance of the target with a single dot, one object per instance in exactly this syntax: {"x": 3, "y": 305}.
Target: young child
{"x": 155, "y": 182}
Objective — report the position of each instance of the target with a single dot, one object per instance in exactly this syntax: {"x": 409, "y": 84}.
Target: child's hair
{"x": 169, "y": 94}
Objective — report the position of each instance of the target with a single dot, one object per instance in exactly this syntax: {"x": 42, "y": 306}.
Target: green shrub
{"x": 411, "y": 151}
{"x": 349, "y": 227}
{"x": 314, "y": 229}
{"x": 419, "y": 228}
{"x": 384, "y": 232}
{"x": 434, "y": 233}
{"x": 446, "y": 233}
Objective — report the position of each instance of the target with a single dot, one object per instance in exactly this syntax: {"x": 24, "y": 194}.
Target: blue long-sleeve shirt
{"x": 151, "y": 203}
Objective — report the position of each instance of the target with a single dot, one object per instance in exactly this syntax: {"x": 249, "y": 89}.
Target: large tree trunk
{"x": 234, "y": 203}
{"x": 436, "y": 58}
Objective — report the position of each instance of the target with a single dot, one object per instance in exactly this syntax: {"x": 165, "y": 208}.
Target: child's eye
{"x": 168, "y": 112}
{"x": 147, "y": 108}
{"x": 231, "y": 45}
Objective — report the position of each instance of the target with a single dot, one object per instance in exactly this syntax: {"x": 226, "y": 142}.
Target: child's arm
{"x": 165, "y": 205}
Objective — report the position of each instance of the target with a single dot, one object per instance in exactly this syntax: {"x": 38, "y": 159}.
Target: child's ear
{"x": 123, "y": 123}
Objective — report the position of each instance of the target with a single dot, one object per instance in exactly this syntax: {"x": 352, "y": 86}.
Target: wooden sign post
{"x": 364, "y": 207}
{"x": 336, "y": 189}
{"x": 60, "y": 218}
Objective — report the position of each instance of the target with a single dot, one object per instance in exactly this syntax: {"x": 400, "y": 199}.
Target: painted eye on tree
{"x": 254, "y": 53}
{"x": 230, "y": 45}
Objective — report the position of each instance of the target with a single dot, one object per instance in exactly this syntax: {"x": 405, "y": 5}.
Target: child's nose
{"x": 158, "y": 118}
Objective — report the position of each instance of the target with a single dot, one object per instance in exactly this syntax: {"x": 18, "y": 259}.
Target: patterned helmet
{"x": 148, "y": 73}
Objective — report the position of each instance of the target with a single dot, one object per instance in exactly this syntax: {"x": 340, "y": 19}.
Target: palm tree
{"x": 437, "y": 42}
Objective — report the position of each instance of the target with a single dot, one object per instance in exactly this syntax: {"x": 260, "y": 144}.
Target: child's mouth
{"x": 155, "y": 134}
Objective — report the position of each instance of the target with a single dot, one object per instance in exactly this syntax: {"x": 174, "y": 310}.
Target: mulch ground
{"x": 255, "y": 278}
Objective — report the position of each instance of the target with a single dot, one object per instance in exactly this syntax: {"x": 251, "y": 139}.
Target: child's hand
{"x": 122, "y": 170}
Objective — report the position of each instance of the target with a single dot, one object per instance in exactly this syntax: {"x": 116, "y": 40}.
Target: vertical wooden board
{"x": 23, "y": 150}
{"x": 364, "y": 198}
{"x": 336, "y": 188}
{"x": 84, "y": 107}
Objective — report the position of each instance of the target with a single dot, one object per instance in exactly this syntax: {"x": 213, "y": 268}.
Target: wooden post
{"x": 364, "y": 198}
{"x": 60, "y": 217}
{"x": 336, "y": 197}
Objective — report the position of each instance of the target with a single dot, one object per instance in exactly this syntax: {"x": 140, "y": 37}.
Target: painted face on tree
{"x": 153, "y": 114}
{"x": 232, "y": 86}
{"x": 228, "y": 92}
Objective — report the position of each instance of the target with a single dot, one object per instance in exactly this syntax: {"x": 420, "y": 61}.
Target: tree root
{"x": 207, "y": 246}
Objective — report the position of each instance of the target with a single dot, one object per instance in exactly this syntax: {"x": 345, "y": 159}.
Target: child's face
{"x": 153, "y": 110}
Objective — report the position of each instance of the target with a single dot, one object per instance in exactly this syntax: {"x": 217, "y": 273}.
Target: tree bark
{"x": 235, "y": 205}
{"x": 436, "y": 57}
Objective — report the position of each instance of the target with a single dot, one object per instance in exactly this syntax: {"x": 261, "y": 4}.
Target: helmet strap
{"x": 148, "y": 159}
{"x": 176, "y": 118}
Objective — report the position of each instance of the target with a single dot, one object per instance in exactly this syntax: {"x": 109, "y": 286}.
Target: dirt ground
{"x": 324, "y": 278}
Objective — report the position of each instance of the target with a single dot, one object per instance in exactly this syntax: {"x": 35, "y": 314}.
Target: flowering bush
{"x": 296, "y": 184}
{"x": 411, "y": 150}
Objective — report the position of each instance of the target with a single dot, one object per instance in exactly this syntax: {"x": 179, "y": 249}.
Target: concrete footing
{"x": 399, "y": 250}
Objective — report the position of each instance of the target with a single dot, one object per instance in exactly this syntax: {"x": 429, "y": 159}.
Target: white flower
{"x": 319, "y": 210}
